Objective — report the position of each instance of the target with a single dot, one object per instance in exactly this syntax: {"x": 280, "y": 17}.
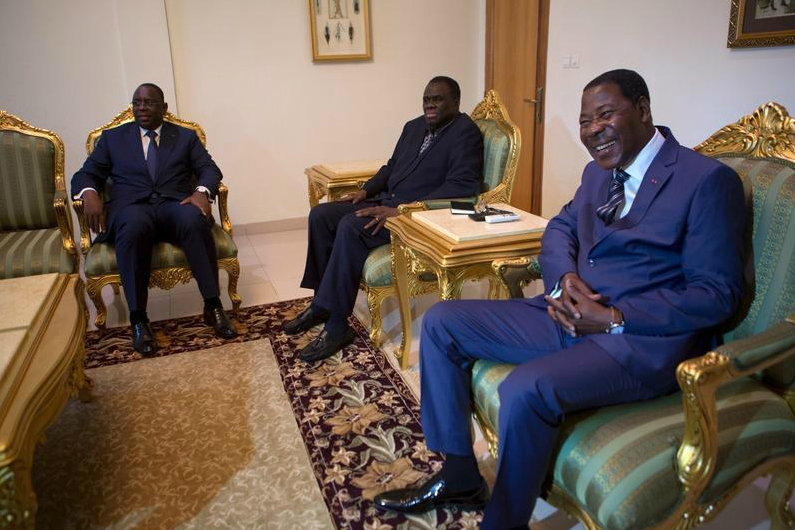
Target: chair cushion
{"x": 619, "y": 462}
{"x": 496, "y": 147}
{"x": 101, "y": 257}
{"x": 377, "y": 270}
{"x": 27, "y": 182}
{"x": 772, "y": 184}
{"x": 31, "y": 252}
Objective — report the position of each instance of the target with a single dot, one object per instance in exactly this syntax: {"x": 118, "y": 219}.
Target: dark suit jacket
{"x": 119, "y": 155}
{"x": 451, "y": 166}
{"x": 673, "y": 265}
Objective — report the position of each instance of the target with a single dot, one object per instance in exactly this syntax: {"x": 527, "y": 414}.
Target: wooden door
{"x": 516, "y": 50}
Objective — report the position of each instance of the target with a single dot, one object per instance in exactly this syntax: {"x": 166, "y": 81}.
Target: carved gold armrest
{"x": 223, "y": 208}
{"x": 700, "y": 378}
{"x": 85, "y": 236}
{"x": 411, "y": 207}
{"x": 64, "y": 220}
{"x": 516, "y": 273}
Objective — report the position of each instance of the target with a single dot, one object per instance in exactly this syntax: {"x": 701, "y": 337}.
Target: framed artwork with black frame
{"x": 340, "y": 30}
{"x": 761, "y": 23}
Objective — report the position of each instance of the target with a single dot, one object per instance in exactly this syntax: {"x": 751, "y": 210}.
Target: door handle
{"x": 538, "y": 102}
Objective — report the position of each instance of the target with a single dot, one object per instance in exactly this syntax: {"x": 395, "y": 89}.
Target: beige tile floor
{"x": 271, "y": 266}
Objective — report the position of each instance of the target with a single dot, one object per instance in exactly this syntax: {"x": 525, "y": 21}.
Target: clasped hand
{"x": 378, "y": 213}
{"x": 579, "y": 310}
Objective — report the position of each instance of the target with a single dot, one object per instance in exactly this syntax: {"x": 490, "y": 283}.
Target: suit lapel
{"x": 168, "y": 139}
{"x": 660, "y": 170}
{"x": 417, "y": 143}
{"x": 137, "y": 147}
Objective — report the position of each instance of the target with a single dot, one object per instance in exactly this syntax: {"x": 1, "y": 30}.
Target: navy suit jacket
{"x": 673, "y": 265}
{"x": 451, "y": 166}
{"x": 119, "y": 155}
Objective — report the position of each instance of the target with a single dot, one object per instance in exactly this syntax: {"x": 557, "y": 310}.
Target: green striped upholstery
{"x": 496, "y": 147}
{"x": 27, "y": 187}
{"x": 31, "y": 252}
{"x": 773, "y": 199}
{"x": 101, "y": 257}
{"x": 618, "y": 462}
{"x": 378, "y": 267}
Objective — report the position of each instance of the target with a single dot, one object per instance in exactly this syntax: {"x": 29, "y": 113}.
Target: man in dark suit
{"x": 439, "y": 155}
{"x": 152, "y": 164}
{"x": 640, "y": 268}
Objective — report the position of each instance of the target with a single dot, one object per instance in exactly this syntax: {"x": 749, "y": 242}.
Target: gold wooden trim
{"x": 492, "y": 108}
{"x": 9, "y": 122}
{"x": 767, "y": 132}
{"x": 126, "y": 116}
{"x": 740, "y": 39}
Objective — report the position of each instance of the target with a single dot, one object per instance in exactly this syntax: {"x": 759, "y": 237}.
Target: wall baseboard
{"x": 280, "y": 225}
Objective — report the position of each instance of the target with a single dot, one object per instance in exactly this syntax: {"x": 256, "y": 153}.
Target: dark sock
{"x": 461, "y": 472}
{"x": 316, "y": 310}
{"x": 138, "y": 315}
{"x": 212, "y": 303}
{"x": 336, "y": 325}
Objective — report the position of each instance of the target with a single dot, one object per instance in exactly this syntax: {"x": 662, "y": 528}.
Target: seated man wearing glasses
{"x": 153, "y": 198}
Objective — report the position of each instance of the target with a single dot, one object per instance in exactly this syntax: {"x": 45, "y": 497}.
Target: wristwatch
{"x": 206, "y": 192}
{"x": 616, "y": 324}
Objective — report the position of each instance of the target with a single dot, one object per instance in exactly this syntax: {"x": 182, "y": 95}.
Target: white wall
{"x": 71, "y": 66}
{"x": 244, "y": 71}
{"x": 697, "y": 85}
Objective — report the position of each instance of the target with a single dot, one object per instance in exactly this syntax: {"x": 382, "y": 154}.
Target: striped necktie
{"x": 151, "y": 154}
{"x": 615, "y": 196}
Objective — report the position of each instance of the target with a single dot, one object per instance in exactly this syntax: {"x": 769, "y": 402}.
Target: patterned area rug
{"x": 358, "y": 419}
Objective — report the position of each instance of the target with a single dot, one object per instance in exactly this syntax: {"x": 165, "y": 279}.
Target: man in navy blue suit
{"x": 152, "y": 164}
{"x": 640, "y": 269}
{"x": 438, "y": 156}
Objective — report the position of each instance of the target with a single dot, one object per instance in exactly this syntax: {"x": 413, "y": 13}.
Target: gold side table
{"x": 42, "y": 331}
{"x": 455, "y": 249}
{"x": 338, "y": 178}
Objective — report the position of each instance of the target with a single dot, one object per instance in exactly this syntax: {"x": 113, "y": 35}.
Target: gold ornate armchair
{"x": 675, "y": 461}
{"x": 169, "y": 265}
{"x": 35, "y": 225}
{"x": 501, "y": 146}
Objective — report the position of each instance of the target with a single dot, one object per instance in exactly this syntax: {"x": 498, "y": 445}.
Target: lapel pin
{"x": 653, "y": 180}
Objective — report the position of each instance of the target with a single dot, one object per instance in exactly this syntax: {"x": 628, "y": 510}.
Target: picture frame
{"x": 754, "y": 23}
{"x": 340, "y": 30}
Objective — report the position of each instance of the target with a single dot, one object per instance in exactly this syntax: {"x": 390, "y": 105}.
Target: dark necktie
{"x": 151, "y": 154}
{"x": 615, "y": 196}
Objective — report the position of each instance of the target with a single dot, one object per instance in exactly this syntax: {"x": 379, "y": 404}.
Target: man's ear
{"x": 645, "y": 109}
{"x": 165, "y": 107}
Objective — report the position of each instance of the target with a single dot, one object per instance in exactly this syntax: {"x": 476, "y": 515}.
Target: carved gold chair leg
{"x": 777, "y": 497}
{"x": 232, "y": 268}
{"x": 116, "y": 289}
{"x": 94, "y": 289}
{"x": 374, "y": 306}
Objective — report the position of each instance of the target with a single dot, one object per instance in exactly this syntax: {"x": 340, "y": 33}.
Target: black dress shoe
{"x": 308, "y": 319}
{"x": 143, "y": 339}
{"x": 432, "y": 494}
{"x": 326, "y": 345}
{"x": 216, "y": 317}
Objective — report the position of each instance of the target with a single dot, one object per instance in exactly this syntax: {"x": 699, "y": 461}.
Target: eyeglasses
{"x": 146, "y": 103}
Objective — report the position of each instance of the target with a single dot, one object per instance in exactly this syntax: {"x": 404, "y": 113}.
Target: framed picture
{"x": 340, "y": 30}
{"x": 761, "y": 23}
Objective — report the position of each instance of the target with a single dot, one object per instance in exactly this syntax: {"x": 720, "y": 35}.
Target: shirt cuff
{"x": 204, "y": 189}
{"x": 80, "y": 195}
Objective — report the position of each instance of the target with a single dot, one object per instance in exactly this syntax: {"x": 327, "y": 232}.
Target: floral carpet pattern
{"x": 358, "y": 418}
